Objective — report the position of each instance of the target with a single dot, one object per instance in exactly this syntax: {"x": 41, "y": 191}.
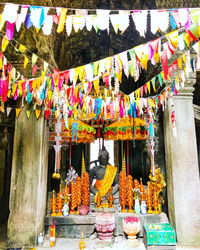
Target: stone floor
{"x": 90, "y": 243}
{"x": 120, "y": 243}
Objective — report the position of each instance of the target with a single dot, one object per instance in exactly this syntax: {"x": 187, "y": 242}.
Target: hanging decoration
{"x": 40, "y": 18}
{"x": 84, "y": 133}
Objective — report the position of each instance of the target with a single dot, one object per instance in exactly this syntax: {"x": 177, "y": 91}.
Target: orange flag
{"x": 17, "y": 110}
{"x": 37, "y": 113}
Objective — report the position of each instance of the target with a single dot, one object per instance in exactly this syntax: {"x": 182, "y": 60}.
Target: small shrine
{"x": 99, "y": 124}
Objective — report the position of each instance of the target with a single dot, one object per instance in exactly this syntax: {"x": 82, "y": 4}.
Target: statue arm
{"x": 92, "y": 176}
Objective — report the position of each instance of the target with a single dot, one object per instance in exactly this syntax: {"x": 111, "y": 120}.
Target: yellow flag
{"x": 1, "y": 64}
{"x": 34, "y": 83}
{"x": 148, "y": 87}
{"x": 96, "y": 68}
{"x": 173, "y": 38}
{"x": 49, "y": 94}
{"x": 37, "y": 113}
{"x": 5, "y": 43}
{"x": 187, "y": 39}
{"x": 56, "y": 114}
{"x": 144, "y": 60}
{"x": 96, "y": 85}
{"x": 34, "y": 58}
{"x": 62, "y": 19}
{"x": 162, "y": 74}
{"x": 184, "y": 58}
{"x": 14, "y": 87}
{"x": 2, "y": 22}
{"x": 38, "y": 83}
{"x": 25, "y": 61}
{"x": 119, "y": 75}
{"x": 22, "y": 48}
{"x": 76, "y": 89}
{"x": 17, "y": 110}
{"x": 28, "y": 112}
{"x": 137, "y": 93}
{"x": 179, "y": 63}
{"x": 45, "y": 66}
{"x": 156, "y": 57}
{"x": 9, "y": 93}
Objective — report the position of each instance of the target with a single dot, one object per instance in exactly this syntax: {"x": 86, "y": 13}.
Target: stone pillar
{"x": 183, "y": 185}
{"x": 28, "y": 181}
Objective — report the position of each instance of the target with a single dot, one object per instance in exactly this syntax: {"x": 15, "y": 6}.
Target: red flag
{"x": 46, "y": 114}
{"x": 155, "y": 45}
{"x": 106, "y": 80}
{"x": 141, "y": 91}
{"x": 56, "y": 72}
{"x": 35, "y": 67}
{"x": 66, "y": 75}
{"x": 164, "y": 63}
{"x": 145, "y": 89}
{"x": 175, "y": 65}
{"x": 30, "y": 86}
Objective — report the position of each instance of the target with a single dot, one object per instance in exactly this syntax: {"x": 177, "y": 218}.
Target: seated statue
{"x": 106, "y": 179}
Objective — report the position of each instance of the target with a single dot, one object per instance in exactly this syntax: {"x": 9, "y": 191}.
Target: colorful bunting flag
{"x": 17, "y": 110}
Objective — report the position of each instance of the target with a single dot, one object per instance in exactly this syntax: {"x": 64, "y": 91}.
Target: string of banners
{"x": 69, "y": 102}
{"x": 14, "y": 15}
{"x": 130, "y": 62}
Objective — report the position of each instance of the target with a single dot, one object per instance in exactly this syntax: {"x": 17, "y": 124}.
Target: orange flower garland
{"x": 85, "y": 184}
{"x": 73, "y": 198}
{"x": 78, "y": 192}
{"x": 130, "y": 193}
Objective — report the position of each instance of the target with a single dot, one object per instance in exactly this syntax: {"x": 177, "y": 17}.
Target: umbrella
{"x": 76, "y": 131}
{"x": 123, "y": 130}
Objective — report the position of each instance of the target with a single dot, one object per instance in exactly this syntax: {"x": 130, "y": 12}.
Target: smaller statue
{"x": 157, "y": 183}
{"x": 82, "y": 243}
{"x": 136, "y": 193}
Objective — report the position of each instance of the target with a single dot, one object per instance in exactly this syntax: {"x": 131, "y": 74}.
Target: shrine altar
{"x": 72, "y": 225}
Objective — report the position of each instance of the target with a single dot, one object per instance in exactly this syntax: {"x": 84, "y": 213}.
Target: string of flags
{"x": 130, "y": 62}
{"x": 78, "y": 105}
{"x": 14, "y": 15}
{"x": 54, "y": 93}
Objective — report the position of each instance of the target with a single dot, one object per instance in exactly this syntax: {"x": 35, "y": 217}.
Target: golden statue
{"x": 158, "y": 183}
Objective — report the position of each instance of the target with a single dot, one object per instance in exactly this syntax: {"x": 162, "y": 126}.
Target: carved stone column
{"x": 28, "y": 181}
{"x": 182, "y": 168}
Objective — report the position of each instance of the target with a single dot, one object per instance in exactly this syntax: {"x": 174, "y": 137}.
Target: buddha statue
{"x": 106, "y": 179}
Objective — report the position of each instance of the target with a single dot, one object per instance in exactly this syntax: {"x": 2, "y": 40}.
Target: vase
{"x": 143, "y": 207}
{"x": 83, "y": 210}
{"x": 65, "y": 210}
{"x": 131, "y": 226}
{"x": 137, "y": 206}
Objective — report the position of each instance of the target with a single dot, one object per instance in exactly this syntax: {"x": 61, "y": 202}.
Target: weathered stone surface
{"x": 73, "y": 225}
{"x": 182, "y": 170}
{"x": 28, "y": 182}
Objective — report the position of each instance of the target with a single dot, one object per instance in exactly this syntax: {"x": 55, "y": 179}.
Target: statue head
{"x": 103, "y": 156}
